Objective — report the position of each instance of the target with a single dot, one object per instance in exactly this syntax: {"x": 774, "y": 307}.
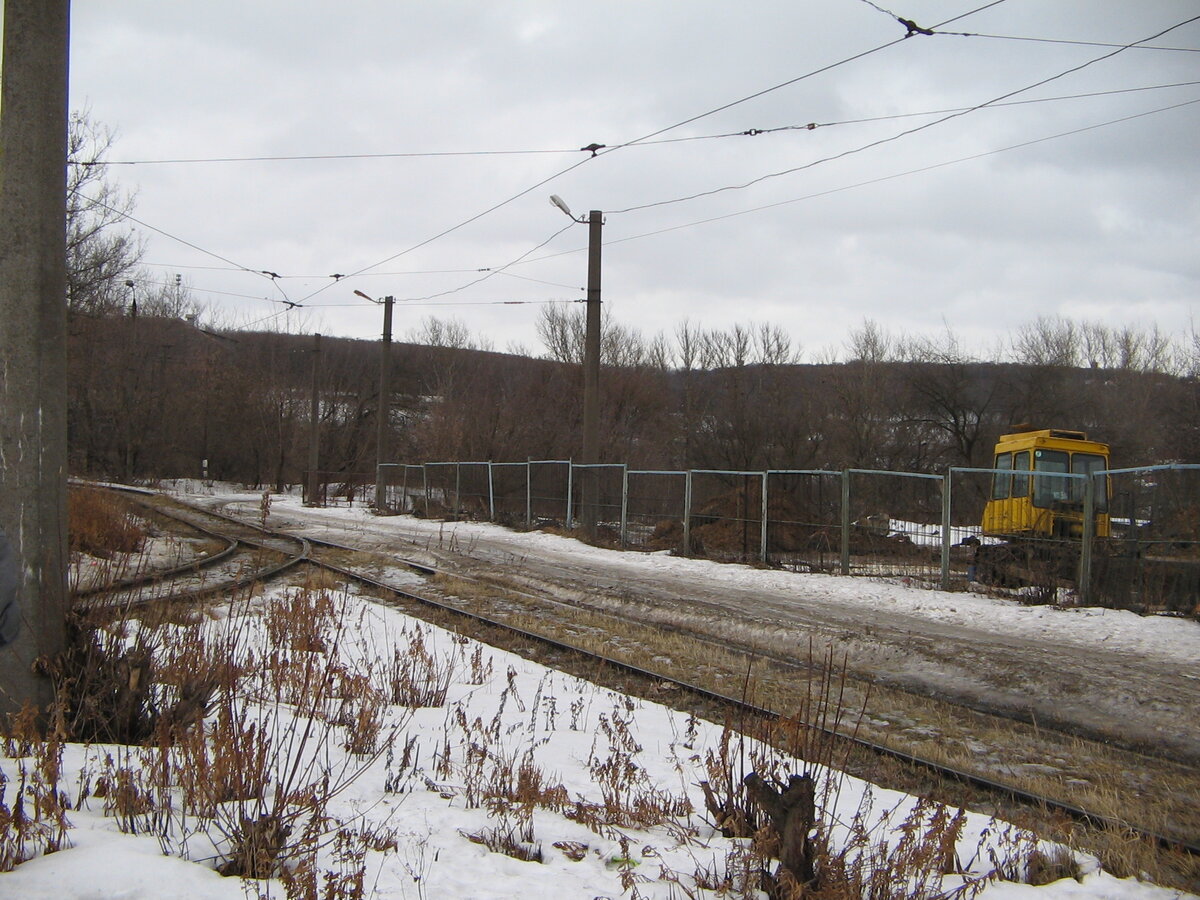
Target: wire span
{"x": 907, "y": 132}
{"x": 462, "y": 224}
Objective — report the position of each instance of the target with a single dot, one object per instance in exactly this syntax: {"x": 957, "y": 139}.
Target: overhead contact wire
{"x": 902, "y": 134}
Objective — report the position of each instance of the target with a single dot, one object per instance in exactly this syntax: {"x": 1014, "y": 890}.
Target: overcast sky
{"x": 953, "y": 225}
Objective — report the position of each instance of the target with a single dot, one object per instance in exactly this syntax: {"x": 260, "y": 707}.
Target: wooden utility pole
{"x": 33, "y": 328}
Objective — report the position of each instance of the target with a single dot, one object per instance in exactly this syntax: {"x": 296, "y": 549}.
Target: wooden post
{"x": 793, "y": 812}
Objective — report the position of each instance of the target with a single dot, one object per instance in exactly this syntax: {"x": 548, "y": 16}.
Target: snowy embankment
{"x": 603, "y": 788}
{"x": 405, "y": 761}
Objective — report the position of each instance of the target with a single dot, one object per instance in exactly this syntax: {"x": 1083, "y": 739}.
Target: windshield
{"x": 1089, "y": 464}
{"x": 1001, "y": 483}
{"x": 1048, "y": 490}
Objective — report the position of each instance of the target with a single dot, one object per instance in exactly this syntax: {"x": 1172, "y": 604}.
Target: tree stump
{"x": 792, "y": 812}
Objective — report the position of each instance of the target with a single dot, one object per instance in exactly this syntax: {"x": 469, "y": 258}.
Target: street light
{"x": 591, "y": 348}
{"x": 385, "y": 354}
{"x": 558, "y": 201}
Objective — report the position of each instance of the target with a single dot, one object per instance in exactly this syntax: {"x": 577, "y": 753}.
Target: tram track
{"x": 504, "y": 617}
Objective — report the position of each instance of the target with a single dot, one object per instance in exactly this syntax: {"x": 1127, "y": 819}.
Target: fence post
{"x": 763, "y": 536}
{"x": 570, "y": 494}
{"x": 845, "y": 521}
{"x": 425, "y": 486}
{"x": 529, "y": 493}
{"x": 687, "y": 513}
{"x": 624, "y": 504}
{"x": 491, "y": 495}
{"x": 1084, "y": 588}
{"x": 404, "y": 491}
{"x": 947, "y": 482}
{"x": 457, "y": 491}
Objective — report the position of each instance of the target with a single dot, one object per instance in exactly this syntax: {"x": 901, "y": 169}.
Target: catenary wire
{"x": 594, "y": 154}
{"x": 234, "y": 267}
{"x": 937, "y": 112}
{"x": 496, "y": 271}
{"x": 901, "y": 134}
{"x": 461, "y": 224}
{"x": 1076, "y": 43}
{"x": 878, "y": 180}
{"x": 477, "y": 216}
{"x": 324, "y": 157}
{"x": 749, "y": 132}
{"x": 682, "y": 226}
{"x": 791, "y": 81}
{"x": 125, "y": 215}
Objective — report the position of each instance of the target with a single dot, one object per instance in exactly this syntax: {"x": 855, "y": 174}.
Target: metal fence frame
{"x": 551, "y": 486}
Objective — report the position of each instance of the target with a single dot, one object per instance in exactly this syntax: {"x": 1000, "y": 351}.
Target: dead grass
{"x": 101, "y": 524}
{"x": 1162, "y": 796}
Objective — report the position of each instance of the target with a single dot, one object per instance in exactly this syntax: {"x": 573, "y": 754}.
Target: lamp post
{"x": 385, "y": 355}
{"x": 591, "y": 354}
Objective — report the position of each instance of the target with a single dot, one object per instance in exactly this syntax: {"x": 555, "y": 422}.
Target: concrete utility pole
{"x": 591, "y": 378}
{"x": 314, "y": 426}
{"x": 591, "y": 346}
{"x": 385, "y": 406}
{"x": 591, "y": 367}
{"x": 33, "y": 329}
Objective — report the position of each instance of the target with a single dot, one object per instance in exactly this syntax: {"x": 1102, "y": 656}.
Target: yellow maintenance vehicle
{"x": 1034, "y": 515}
{"x": 1030, "y": 496}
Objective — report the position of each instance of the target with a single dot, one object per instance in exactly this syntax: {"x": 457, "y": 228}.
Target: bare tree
{"x": 102, "y": 253}
{"x": 562, "y": 332}
{"x": 452, "y": 333}
{"x": 773, "y": 346}
{"x": 870, "y": 343}
{"x": 1048, "y": 341}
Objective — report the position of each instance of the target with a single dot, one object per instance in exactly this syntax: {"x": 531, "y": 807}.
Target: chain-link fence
{"x": 655, "y": 506}
{"x": 893, "y": 525}
{"x": 804, "y": 520}
{"x": 1151, "y": 560}
{"x": 1127, "y": 538}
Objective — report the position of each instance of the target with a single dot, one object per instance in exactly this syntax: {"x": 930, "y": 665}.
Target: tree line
{"x": 154, "y": 396}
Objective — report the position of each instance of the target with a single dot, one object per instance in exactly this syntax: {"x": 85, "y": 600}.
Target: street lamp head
{"x": 558, "y": 201}
{"x": 366, "y": 296}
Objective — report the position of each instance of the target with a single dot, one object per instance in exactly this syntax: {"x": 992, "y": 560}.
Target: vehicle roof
{"x": 1050, "y": 438}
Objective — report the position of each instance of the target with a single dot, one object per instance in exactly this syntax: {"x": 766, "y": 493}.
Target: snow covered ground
{"x": 502, "y": 713}
{"x": 1171, "y": 639}
{"x": 575, "y": 734}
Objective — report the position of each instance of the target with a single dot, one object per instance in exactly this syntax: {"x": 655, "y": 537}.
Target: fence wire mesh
{"x": 804, "y": 513}
{"x": 895, "y": 524}
{"x": 338, "y": 489}
{"x": 1151, "y": 563}
{"x": 726, "y": 517}
{"x": 510, "y": 494}
{"x": 1143, "y": 552}
{"x": 655, "y": 510}
{"x": 549, "y": 488}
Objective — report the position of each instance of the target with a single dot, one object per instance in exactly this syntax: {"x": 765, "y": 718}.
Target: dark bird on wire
{"x": 914, "y": 28}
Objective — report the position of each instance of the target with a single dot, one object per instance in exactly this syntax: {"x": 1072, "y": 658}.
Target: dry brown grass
{"x": 1160, "y": 795}
{"x": 100, "y": 523}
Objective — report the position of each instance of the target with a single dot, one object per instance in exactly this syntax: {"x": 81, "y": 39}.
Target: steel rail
{"x": 92, "y": 598}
